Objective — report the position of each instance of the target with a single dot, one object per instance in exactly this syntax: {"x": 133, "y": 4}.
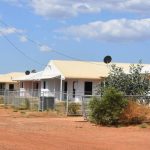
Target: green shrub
{"x": 74, "y": 108}
{"x": 107, "y": 110}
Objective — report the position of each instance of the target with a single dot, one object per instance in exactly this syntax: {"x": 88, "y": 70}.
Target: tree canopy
{"x": 132, "y": 83}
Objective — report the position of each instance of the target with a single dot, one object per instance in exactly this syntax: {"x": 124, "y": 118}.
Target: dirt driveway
{"x": 36, "y": 133}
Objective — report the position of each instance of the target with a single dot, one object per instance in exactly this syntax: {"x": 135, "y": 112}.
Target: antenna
{"x": 27, "y": 72}
{"x": 33, "y": 71}
{"x": 107, "y": 59}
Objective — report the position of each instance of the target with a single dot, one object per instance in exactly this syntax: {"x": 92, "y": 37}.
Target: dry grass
{"x": 1, "y": 99}
{"x": 135, "y": 113}
{"x": 52, "y": 114}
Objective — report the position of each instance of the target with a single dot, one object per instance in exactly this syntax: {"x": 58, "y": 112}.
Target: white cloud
{"x": 9, "y": 30}
{"x": 45, "y": 48}
{"x": 112, "y": 30}
{"x": 63, "y": 9}
{"x": 70, "y": 8}
{"x": 140, "y": 6}
{"x": 23, "y": 39}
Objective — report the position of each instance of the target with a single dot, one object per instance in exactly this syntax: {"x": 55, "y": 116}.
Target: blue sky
{"x": 84, "y": 29}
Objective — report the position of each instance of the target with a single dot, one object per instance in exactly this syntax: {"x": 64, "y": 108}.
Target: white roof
{"x": 50, "y": 72}
{"x": 76, "y": 70}
{"x": 38, "y": 76}
{"x": 32, "y": 76}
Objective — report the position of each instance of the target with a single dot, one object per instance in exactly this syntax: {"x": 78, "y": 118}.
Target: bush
{"x": 1, "y": 100}
{"x": 134, "y": 113}
{"x": 27, "y": 104}
{"x": 73, "y": 108}
{"x": 60, "y": 107}
{"x": 107, "y": 110}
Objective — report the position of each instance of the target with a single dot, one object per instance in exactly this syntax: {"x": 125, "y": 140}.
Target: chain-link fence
{"x": 70, "y": 104}
{"x": 141, "y": 99}
{"x": 20, "y": 100}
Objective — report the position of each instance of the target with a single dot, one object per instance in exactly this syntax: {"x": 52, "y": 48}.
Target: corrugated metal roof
{"x": 8, "y": 78}
{"x": 30, "y": 77}
{"x": 76, "y": 70}
{"x": 87, "y": 70}
{"x": 37, "y": 76}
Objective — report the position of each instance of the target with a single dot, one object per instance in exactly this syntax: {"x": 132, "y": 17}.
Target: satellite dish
{"x": 107, "y": 59}
{"x": 33, "y": 71}
{"x": 27, "y": 72}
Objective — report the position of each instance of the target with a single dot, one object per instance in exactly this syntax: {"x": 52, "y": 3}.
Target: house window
{"x": 2, "y": 86}
{"x": 74, "y": 90}
{"x": 37, "y": 86}
{"x": 44, "y": 84}
{"x": 21, "y": 84}
{"x": 11, "y": 87}
{"x": 65, "y": 90}
{"x": 88, "y": 88}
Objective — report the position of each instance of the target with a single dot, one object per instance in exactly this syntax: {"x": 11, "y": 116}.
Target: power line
{"x": 39, "y": 45}
{"x": 19, "y": 50}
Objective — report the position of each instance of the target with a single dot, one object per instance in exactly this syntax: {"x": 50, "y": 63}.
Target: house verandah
{"x": 60, "y": 89}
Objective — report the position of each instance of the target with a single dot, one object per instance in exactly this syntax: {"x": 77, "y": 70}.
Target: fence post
{"x": 5, "y": 101}
{"x": 67, "y": 105}
{"x": 84, "y": 109}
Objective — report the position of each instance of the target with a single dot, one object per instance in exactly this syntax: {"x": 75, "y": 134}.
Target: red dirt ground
{"x": 37, "y": 133}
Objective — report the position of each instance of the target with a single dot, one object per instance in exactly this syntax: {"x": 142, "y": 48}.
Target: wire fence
{"x": 70, "y": 104}
{"x": 141, "y": 99}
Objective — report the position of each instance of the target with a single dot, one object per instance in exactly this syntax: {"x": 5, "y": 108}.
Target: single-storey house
{"x": 7, "y": 82}
{"x": 66, "y": 79}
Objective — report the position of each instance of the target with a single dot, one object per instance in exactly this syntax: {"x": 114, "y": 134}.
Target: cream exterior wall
{"x": 53, "y": 87}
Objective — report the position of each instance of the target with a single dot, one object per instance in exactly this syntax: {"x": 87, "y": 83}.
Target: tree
{"x": 132, "y": 83}
{"x": 108, "y": 109}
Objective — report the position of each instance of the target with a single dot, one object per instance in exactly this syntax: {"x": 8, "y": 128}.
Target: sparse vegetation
{"x": 144, "y": 125}
{"x": 74, "y": 108}
{"x": 134, "y": 113}
{"x": 107, "y": 111}
{"x": 1, "y": 100}
{"x": 60, "y": 107}
{"x": 113, "y": 108}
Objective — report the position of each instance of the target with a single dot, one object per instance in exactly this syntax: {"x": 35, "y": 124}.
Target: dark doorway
{"x": 21, "y": 84}
{"x": 65, "y": 89}
{"x": 44, "y": 84}
{"x": 2, "y": 86}
{"x": 88, "y": 88}
{"x": 37, "y": 86}
{"x": 11, "y": 87}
